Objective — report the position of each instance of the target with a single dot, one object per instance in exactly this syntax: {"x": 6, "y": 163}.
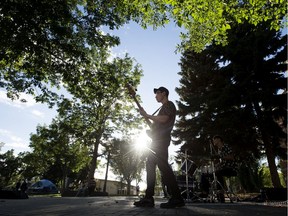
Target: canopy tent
{"x": 43, "y": 186}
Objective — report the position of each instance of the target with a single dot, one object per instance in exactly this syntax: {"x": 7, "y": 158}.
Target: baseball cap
{"x": 161, "y": 89}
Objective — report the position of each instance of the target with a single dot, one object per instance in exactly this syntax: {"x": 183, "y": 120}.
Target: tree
{"x": 10, "y": 168}
{"x": 124, "y": 161}
{"x": 48, "y": 43}
{"x": 57, "y": 152}
{"x": 101, "y": 105}
{"x": 231, "y": 91}
{"x": 99, "y": 108}
{"x": 258, "y": 71}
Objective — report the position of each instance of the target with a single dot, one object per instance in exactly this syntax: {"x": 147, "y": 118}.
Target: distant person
{"x": 18, "y": 185}
{"x": 82, "y": 189}
{"x": 23, "y": 189}
{"x": 17, "y": 188}
{"x": 137, "y": 190}
{"x": 91, "y": 186}
{"x": 162, "y": 126}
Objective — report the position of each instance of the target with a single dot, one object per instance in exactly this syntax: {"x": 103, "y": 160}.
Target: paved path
{"x": 123, "y": 206}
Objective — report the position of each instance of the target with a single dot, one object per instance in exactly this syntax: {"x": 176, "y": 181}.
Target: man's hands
{"x": 143, "y": 112}
{"x": 158, "y": 118}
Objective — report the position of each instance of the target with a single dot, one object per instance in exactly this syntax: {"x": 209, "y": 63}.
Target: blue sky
{"x": 154, "y": 50}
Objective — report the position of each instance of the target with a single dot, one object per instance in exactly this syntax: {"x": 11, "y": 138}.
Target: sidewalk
{"x": 123, "y": 206}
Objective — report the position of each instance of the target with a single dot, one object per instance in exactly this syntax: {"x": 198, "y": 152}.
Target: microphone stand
{"x": 186, "y": 176}
{"x": 213, "y": 190}
{"x": 187, "y": 169}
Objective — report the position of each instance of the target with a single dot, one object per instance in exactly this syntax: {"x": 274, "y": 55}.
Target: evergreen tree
{"x": 231, "y": 91}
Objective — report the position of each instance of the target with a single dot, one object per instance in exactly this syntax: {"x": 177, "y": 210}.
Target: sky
{"x": 153, "y": 50}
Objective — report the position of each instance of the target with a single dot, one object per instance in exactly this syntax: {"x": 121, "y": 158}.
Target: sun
{"x": 141, "y": 141}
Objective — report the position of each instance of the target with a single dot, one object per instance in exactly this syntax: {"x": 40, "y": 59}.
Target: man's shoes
{"x": 145, "y": 202}
{"x": 173, "y": 203}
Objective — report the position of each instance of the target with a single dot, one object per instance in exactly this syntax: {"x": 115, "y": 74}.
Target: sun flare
{"x": 141, "y": 141}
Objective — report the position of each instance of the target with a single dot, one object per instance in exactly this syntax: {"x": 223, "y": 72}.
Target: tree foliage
{"x": 10, "y": 169}
{"x": 99, "y": 108}
{"x": 48, "y": 42}
{"x": 57, "y": 151}
{"x": 100, "y": 105}
{"x": 209, "y": 20}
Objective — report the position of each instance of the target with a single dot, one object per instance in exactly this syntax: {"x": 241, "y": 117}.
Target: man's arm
{"x": 158, "y": 118}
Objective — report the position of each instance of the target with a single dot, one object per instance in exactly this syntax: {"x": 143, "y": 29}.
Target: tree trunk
{"x": 272, "y": 166}
{"x": 268, "y": 148}
{"x": 64, "y": 176}
{"x": 283, "y": 167}
{"x": 128, "y": 187}
{"x": 93, "y": 163}
{"x": 106, "y": 174}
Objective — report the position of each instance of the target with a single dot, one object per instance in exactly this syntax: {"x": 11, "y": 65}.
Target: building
{"x": 114, "y": 187}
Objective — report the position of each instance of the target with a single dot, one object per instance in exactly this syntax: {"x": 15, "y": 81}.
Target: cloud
{"x": 17, "y": 103}
{"x": 12, "y": 142}
{"x": 38, "y": 113}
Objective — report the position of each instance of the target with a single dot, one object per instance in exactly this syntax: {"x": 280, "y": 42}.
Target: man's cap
{"x": 161, "y": 89}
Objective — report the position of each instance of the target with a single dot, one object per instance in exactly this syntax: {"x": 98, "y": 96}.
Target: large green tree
{"x": 231, "y": 91}
{"x": 57, "y": 151}
{"x": 48, "y": 42}
{"x": 101, "y": 104}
